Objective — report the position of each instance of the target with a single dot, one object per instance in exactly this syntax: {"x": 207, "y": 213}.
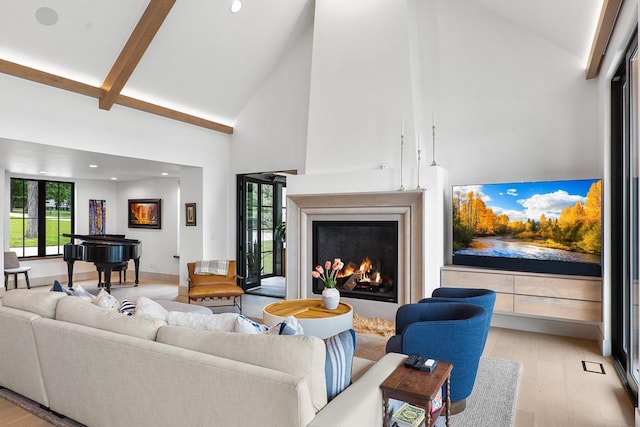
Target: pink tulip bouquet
{"x": 328, "y": 273}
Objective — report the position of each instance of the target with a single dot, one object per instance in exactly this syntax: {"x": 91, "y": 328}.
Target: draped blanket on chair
{"x": 216, "y": 266}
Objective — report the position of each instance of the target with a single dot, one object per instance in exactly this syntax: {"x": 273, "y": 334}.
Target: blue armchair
{"x": 484, "y": 297}
{"x": 450, "y": 331}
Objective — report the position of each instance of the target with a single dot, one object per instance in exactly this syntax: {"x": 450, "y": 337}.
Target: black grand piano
{"x": 106, "y": 251}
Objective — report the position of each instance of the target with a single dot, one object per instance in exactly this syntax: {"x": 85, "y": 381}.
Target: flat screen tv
{"x": 543, "y": 227}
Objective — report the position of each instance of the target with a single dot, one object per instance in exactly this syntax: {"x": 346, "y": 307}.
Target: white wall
{"x": 509, "y": 105}
{"x": 271, "y": 131}
{"x": 97, "y": 190}
{"x": 360, "y": 87}
{"x": 190, "y": 192}
{"x": 158, "y": 246}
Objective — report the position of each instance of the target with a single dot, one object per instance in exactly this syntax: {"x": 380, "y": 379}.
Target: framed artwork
{"x": 145, "y": 213}
{"x": 97, "y": 217}
{"x": 190, "y": 214}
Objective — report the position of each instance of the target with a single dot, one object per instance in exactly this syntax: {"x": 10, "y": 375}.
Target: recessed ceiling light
{"x": 93, "y": 166}
{"x": 114, "y": 178}
{"x": 42, "y": 172}
{"x": 165, "y": 173}
{"x": 46, "y": 16}
{"x": 236, "y": 5}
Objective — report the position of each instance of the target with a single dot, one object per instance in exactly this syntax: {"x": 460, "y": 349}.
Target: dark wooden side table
{"x": 418, "y": 388}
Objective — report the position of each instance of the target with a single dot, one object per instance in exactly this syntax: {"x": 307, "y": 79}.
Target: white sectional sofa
{"x": 103, "y": 368}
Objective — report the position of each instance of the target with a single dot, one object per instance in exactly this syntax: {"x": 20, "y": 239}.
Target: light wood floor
{"x": 554, "y": 388}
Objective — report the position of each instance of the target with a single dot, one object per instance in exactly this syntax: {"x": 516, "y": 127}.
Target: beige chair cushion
{"x": 41, "y": 303}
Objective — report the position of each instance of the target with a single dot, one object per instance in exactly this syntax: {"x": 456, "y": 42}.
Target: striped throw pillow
{"x": 337, "y": 367}
{"x": 127, "y": 307}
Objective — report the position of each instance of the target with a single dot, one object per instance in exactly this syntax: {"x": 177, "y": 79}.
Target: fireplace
{"x": 404, "y": 208}
{"x": 369, "y": 251}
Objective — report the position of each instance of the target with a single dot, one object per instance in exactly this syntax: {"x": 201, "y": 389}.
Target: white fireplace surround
{"x": 405, "y": 207}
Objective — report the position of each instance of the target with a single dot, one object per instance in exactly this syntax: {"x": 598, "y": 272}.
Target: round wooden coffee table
{"x": 316, "y": 320}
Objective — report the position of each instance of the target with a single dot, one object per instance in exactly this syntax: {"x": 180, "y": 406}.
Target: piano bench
{"x": 122, "y": 268}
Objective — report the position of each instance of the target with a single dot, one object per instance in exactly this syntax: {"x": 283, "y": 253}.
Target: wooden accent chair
{"x": 12, "y": 266}
{"x": 204, "y": 287}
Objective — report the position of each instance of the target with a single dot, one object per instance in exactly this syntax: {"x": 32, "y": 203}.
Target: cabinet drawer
{"x": 579, "y": 289}
{"x": 558, "y": 307}
{"x": 470, "y": 279}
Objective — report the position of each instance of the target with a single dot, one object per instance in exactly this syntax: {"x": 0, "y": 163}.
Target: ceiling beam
{"x": 137, "y": 104}
{"x": 140, "y": 39}
{"x": 49, "y": 79}
{"x": 607, "y": 20}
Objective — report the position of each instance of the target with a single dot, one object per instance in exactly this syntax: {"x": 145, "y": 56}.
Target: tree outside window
{"x": 40, "y": 213}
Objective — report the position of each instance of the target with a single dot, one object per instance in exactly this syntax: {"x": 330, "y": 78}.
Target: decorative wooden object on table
{"x": 314, "y": 318}
{"x": 418, "y": 388}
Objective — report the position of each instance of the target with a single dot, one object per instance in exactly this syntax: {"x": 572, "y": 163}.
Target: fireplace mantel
{"x": 407, "y": 207}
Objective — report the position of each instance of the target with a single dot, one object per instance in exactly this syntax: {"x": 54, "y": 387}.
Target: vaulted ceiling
{"x": 189, "y": 57}
{"x": 195, "y": 61}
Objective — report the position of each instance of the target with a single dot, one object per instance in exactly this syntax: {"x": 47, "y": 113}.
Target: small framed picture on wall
{"x": 190, "y": 214}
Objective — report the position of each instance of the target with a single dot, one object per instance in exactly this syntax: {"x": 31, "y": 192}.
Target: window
{"x": 40, "y": 213}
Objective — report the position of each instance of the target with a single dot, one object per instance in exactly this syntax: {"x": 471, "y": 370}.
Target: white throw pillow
{"x": 106, "y": 300}
{"x": 149, "y": 308}
{"x": 213, "y": 322}
{"x": 82, "y": 293}
{"x": 244, "y": 325}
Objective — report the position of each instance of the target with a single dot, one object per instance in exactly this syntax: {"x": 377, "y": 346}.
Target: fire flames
{"x": 364, "y": 272}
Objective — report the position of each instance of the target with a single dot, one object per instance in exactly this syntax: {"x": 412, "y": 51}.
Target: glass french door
{"x": 625, "y": 229}
{"x": 260, "y": 208}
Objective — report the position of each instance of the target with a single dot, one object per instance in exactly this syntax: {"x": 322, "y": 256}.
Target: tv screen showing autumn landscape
{"x": 547, "y": 227}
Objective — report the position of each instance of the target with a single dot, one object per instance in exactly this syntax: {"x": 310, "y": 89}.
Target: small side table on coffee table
{"x": 418, "y": 388}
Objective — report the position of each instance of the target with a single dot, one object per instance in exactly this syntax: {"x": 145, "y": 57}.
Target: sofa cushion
{"x": 340, "y": 350}
{"x": 299, "y": 355}
{"x": 76, "y": 310}
{"x": 213, "y": 322}
{"x": 41, "y": 303}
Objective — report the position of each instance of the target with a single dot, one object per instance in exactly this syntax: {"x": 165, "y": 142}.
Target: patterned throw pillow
{"x": 289, "y": 326}
{"x": 337, "y": 368}
{"x": 106, "y": 300}
{"x": 127, "y": 307}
